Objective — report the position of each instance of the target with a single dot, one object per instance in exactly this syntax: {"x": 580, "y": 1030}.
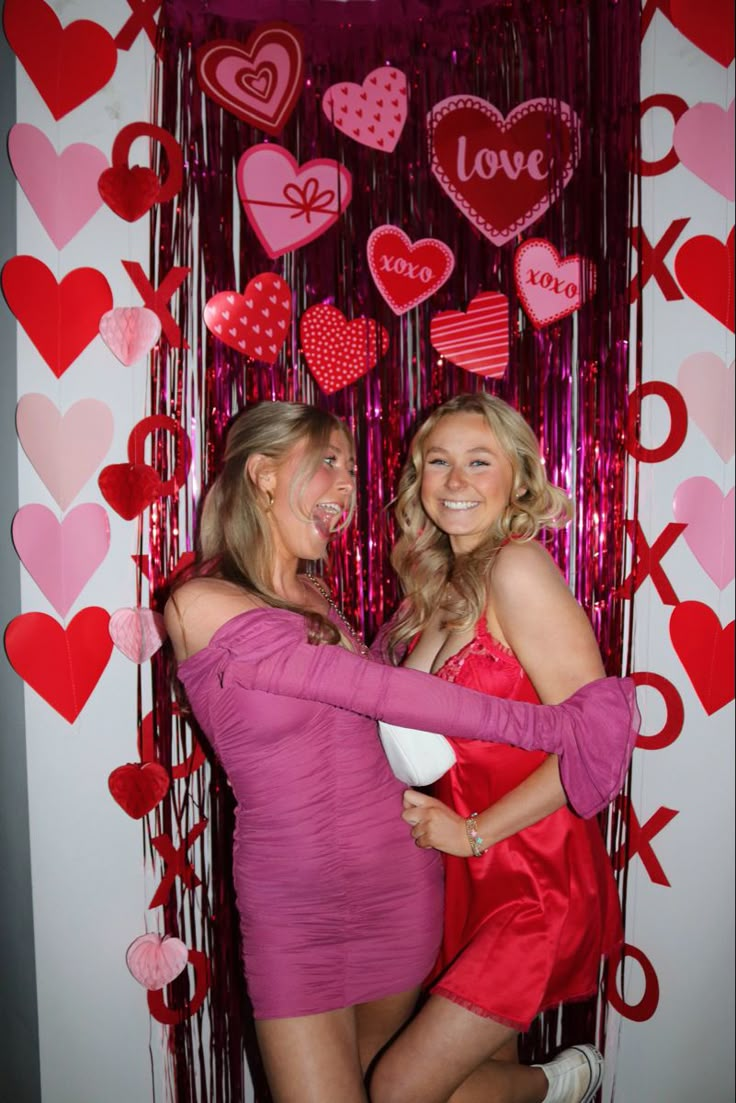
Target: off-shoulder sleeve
{"x": 593, "y": 732}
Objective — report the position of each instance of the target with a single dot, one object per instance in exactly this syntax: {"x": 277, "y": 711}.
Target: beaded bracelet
{"x": 477, "y": 849}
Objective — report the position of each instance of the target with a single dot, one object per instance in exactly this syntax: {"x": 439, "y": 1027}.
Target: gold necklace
{"x": 352, "y": 634}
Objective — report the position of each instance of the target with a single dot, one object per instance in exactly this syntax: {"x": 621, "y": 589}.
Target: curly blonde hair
{"x": 429, "y": 573}
{"x": 235, "y": 540}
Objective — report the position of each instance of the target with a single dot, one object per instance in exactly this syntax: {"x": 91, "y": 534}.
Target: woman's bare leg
{"x": 377, "y": 1022}
{"x": 444, "y": 1054}
{"x": 312, "y": 1058}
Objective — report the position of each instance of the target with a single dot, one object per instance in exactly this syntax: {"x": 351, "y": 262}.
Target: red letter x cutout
{"x": 652, "y": 260}
{"x": 648, "y": 561}
{"x": 157, "y": 300}
{"x": 637, "y": 841}
{"x": 177, "y": 866}
{"x": 140, "y": 20}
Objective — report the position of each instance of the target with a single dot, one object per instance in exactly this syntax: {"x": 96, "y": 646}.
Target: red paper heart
{"x": 477, "y": 340}
{"x": 706, "y": 650}
{"x": 709, "y": 26}
{"x": 338, "y": 351}
{"x": 704, "y": 267}
{"x": 66, "y": 64}
{"x": 129, "y": 192}
{"x": 503, "y": 173}
{"x": 406, "y": 274}
{"x": 63, "y": 665}
{"x": 258, "y": 81}
{"x": 255, "y": 323}
{"x": 60, "y": 318}
{"x": 138, "y": 787}
{"x": 129, "y": 487}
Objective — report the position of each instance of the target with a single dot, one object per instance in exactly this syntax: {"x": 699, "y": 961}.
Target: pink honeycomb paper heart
{"x": 138, "y": 633}
{"x": 156, "y": 961}
{"x": 130, "y": 332}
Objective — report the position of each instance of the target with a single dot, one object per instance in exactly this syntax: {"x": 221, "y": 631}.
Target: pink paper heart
{"x": 288, "y": 205}
{"x": 138, "y": 633}
{"x": 61, "y": 557}
{"x": 707, "y": 386}
{"x": 549, "y": 286}
{"x": 372, "y": 113}
{"x": 130, "y": 332}
{"x": 61, "y": 187}
{"x": 709, "y": 515}
{"x": 65, "y": 449}
{"x": 704, "y": 142}
{"x": 156, "y": 961}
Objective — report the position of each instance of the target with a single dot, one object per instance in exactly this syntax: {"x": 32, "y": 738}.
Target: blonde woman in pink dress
{"x": 340, "y": 913}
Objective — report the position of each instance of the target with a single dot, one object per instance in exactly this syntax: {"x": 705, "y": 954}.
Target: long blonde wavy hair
{"x": 430, "y": 574}
{"x": 234, "y": 540}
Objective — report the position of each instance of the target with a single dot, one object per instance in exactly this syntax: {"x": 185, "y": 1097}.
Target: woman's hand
{"x": 435, "y": 825}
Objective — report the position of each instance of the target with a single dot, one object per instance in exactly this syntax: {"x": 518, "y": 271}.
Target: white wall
{"x": 89, "y": 895}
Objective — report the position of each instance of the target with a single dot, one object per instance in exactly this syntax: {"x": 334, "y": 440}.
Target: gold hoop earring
{"x": 269, "y": 501}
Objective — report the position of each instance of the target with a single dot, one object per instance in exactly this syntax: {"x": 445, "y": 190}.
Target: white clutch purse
{"x": 416, "y": 757}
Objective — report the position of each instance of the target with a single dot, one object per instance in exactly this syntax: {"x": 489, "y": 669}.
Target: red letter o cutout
{"x": 675, "y": 718}
{"x": 678, "y": 421}
{"x": 647, "y": 1005}
{"x": 677, "y": 108}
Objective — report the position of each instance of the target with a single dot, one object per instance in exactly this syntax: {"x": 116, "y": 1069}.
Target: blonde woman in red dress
{"x": 531, "y": 906}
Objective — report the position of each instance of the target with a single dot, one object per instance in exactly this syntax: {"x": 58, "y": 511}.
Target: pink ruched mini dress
{"x": 337, "y": 905}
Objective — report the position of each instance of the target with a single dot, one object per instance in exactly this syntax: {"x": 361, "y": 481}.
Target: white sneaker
{"x": 574, "y": 1075}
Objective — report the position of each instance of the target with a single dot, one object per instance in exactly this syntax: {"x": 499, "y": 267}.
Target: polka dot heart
{"x": 338, "y": 351}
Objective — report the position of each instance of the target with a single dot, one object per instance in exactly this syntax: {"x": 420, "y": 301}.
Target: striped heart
{"x": 477, "y": 339}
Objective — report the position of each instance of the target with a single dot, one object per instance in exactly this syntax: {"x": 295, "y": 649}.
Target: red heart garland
{"x": 63, "y": 665}
{"x": 138, "y": 787}
{"x": 129, "y": 192}
{"x": 60, "y": 318}
{"x": 477, "y": 340}
{"x": 706, "y": 650}
{"x": 129, "y": 487}
{"x": 66, "y": 64}
{"x": 704, "y": 267}
{"x": 255, "y": 323}
{"x": 338, "y": 351}
{"x": 709, "y": 26}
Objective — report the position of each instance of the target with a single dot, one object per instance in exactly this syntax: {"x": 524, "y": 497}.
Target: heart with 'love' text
{"x": 503, "y": 172}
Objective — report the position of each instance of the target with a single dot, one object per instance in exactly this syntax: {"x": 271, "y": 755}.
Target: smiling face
{"x": 467, "y": 479}
{"x": 307, "y": 508}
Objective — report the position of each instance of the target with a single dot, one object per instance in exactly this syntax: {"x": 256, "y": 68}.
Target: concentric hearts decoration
{"x": 704, "y": 267}
{"x": 406, "y": 274}
{"x": 130, "y": 332}
{"x": 258, "y": 81}
{"x": 372, "y": 113}
{"x": 67, "y": 65}
{"x": 338, "y": 351}
{"x": 704, "y": 141}
{"x": 61, "y": 187}
{"x": 138, "y": 787}
{"x": 138, "y": 633}
{"x": 255, "y": 323}
{"x": 709, "y": 26}
{"x": 503, "y": 173}
{"x": 60, "y": 318}
{"x": 61, "y": 556}
{"x": 709, "y": 515}
{"x": 156, "y": 961}
{"x": 549, "y": 286}
{"x": 63, "y": 665}
{"x": 65, "y": 449}
{"x": 288, "y": 205}
{"x": 477, "y": 339}
{"x": 707, "y": 386}
{"x": 706, "y": 651}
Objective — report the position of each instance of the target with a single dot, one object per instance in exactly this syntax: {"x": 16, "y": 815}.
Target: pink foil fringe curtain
{"x": 570, "y": 379}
